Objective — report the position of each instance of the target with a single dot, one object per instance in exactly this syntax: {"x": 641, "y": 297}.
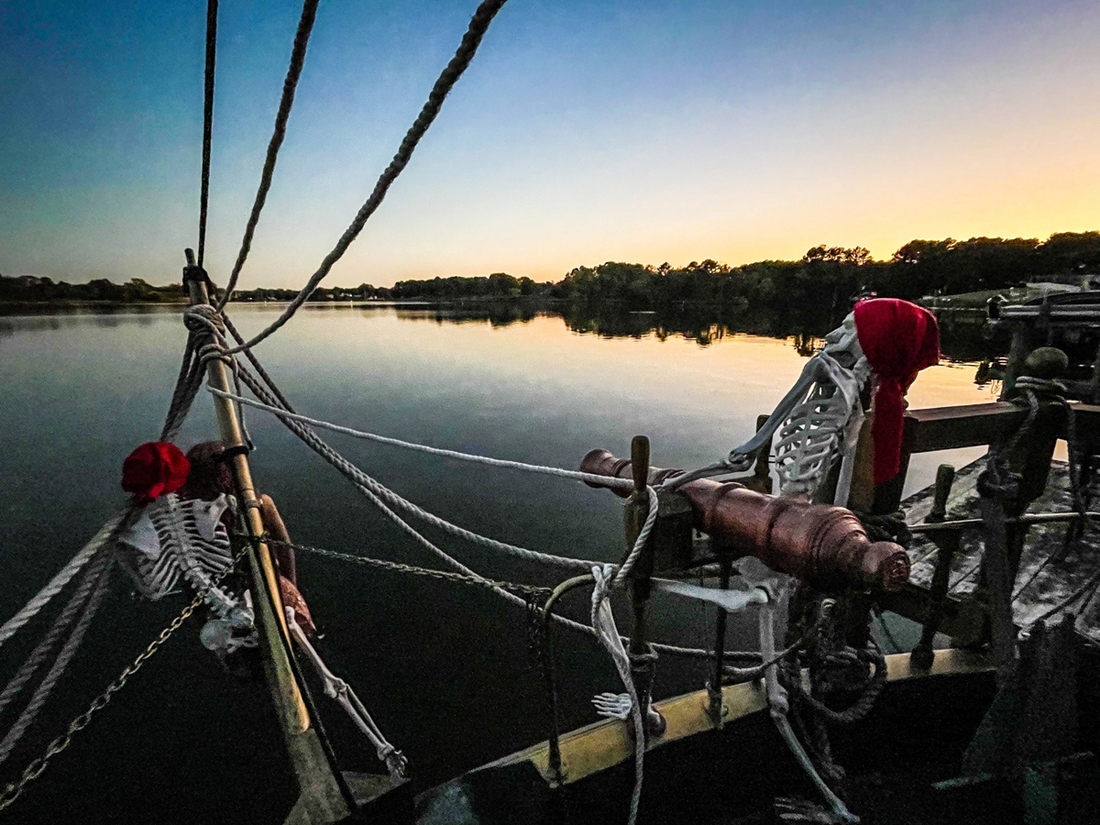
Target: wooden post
{"x": 321, "y": 800}
{"x": 923, "y": 654}
{"x": 714, "y": 689}
{"x": 638, "y": 511}
{"x": 1017, "y": 354}
{"x": 641, "y": 586}
{"x": 761, "y": 479}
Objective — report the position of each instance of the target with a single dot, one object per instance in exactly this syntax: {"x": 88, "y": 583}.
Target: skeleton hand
{"x": 613, "y": 705}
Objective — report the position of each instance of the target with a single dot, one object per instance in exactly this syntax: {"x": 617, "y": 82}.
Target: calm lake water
{"x": 445, "y": 669}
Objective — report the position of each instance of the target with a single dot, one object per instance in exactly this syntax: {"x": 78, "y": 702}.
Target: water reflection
{"x": 500, "y": 314}
{"x": 964, "y": 337}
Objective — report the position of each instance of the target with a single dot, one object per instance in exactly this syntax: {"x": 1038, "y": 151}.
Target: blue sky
{"x": 583, "y": 132}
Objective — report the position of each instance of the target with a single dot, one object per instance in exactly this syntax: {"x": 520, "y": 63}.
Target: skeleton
{"x": 186, "y": 539}
{"x": 818, "y": 417}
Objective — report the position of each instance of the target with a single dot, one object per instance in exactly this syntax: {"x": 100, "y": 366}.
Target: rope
{"x": 293, "y": 73}
{"x": 207, "y": 119}
{"x": 479, "y": 24}
{"x": 204, "y": 334}
{"x": 42, "y": 598}
{"x": 643, "y": 537}
{"x": 744, "y": 674}
{"x": 397, "y": 567}
{"x": 380, "y": 495}
{"x": 60, "y": 625}
{"x": 173, "y": 419}
{"x": 375, "y": 492}
{"x": 251, "y": 356}
{"x": 603, "y": 625}
{"x": 42, "y": 694}
{"x": 603, "y": 481}
{"x": 15, "y": 789}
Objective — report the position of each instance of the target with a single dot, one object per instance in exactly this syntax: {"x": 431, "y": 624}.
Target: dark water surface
{"x": 445, "y": 669}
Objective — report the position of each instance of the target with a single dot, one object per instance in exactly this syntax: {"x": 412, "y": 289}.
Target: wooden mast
{"x": 321, "y": 799}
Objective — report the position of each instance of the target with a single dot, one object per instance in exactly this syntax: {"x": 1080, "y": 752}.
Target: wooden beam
{"x": 973, "y": 425}
{"x": 321, "y": 799}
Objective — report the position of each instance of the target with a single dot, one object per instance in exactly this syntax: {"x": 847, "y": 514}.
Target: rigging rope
{"x": 293, "y": 73}
{"x": 427, "y": 572}
{"x": 14, "y": 789}
{"x": 603, "y": 625}
{"x": 381, "y": 495}
{"x": 367, "y": 486}
{"x": 42, "y": 694}
{"x": 207, "y": 119}
{"x": 61, "y": 624}
{"x": 479, "y": 24}
{"x": 604, "y": 481}
{"x": 42, "y": 598}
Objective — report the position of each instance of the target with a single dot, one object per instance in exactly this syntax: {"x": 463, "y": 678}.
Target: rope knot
{"x": 1044, "y": 388}
{"x": 201, "y": 318}
{"x": 999, "y": 484}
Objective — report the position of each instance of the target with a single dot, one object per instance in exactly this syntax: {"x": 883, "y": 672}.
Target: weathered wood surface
{"x": 1062, "y": 575}
{"x": 972, "y": 425}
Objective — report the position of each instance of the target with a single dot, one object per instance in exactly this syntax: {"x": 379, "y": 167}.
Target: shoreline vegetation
{"x": 794, "y": 293}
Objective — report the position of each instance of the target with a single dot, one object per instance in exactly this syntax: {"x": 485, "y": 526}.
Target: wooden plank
{"x": 973, "y": 425}
{"x": 970, "y": 425}
{"x": 602, "y": 745}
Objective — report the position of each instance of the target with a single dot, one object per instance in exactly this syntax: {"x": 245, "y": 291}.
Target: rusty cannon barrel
{"x": 825, "y": 546}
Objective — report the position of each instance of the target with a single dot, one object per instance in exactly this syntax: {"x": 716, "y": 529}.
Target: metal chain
{"x": 526, "y": 590}
{"x": 36, "y": 767}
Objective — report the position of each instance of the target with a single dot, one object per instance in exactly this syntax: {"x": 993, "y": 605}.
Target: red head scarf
{"x": 899, "y": 339}
{"x": 154, "y": 469}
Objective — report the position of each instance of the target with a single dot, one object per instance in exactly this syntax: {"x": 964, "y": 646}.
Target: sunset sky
{"x": 583, "y": 132}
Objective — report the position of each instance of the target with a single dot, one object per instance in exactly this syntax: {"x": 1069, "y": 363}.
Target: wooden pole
{"x": 639, "y": 505}
{"x": 321, "y": 799}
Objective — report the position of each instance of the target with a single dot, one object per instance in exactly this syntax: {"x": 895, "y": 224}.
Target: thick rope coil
{"x": 834, "y": 666}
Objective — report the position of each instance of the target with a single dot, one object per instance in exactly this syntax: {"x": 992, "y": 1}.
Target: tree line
{"x": 30, "y": 289}
{"x": 826, "y": 278}
{"x": 829, "y": 276}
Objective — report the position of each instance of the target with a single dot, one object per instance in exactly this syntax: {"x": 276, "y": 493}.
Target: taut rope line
{"x": 57, "y": 670}
{"x": 35, "y": 768}
{"x": 12, "y": 625}
{"x": 207, "y": 118}
{"x": 293, "y": 73}
{"x": 369, "y": 486}
{"x": 44, "y": 647}
{"x": 604, "y": 481}
{"x": 479, "y": 24}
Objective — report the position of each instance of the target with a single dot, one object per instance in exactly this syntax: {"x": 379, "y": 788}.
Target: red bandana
{"x": 899, "y": 339}
{"x": 153, "y": 469}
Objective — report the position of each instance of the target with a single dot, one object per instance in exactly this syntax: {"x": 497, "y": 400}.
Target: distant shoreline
{"x": 182, "y": 301}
